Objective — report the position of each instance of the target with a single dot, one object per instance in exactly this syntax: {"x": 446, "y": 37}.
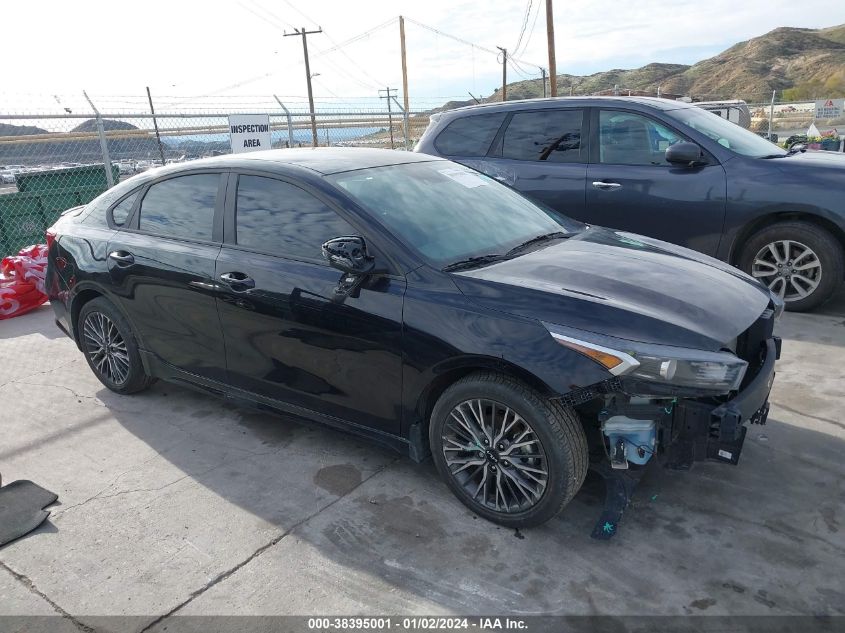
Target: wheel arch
{"x": 772, "y": 218}
{"x": 448, "y": 374}
{"x": 79, "y": 300}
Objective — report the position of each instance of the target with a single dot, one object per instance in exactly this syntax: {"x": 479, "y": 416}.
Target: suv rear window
{"x": 469, "y": 135}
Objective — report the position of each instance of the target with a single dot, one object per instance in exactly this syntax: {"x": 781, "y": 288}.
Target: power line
{"x": 463, "y": 41}
{"x": 515, "y": 49}
{"x": 356, "y": 67}
{"x": 355, "y": 38}
{"x": 531, "y": 32}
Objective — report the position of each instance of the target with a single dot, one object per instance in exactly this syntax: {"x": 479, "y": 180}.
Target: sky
{"x": 208, "y": 53}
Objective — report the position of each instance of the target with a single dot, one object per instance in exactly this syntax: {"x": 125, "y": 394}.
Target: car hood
{"x": 813, "y": 158}
{"x": 623, "y": 285}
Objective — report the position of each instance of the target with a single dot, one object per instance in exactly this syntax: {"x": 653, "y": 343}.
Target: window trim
{"x": 497, "y": 146}
{"x": 595, "y": 147}
{"x": 133, "y": 222}
{"x": 137, "y": 191}
{"x": 230, "y": 220}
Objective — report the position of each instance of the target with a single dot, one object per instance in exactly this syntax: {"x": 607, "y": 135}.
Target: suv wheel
{"x": 510, "y": 455}
{"x": 799, "y": 261}
{"x": 110, "y": 347}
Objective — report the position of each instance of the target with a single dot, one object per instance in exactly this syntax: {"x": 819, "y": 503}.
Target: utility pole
{"x": 504, "y": 73}
{"x": 543, "y": 70}
{"x": 389, "y": 96}
{"x": 404, "y": 64}
{"x": 550, "y": 34}
{"x": 305, "y": 35}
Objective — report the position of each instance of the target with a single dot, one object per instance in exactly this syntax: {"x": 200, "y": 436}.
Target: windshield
{"x": 725, "y": 133}
{"x": 449, "y": 212}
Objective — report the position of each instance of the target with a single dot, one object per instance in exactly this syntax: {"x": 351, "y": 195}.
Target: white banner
{"x": 829, "y": 108}
{"x": 249, "y": 132}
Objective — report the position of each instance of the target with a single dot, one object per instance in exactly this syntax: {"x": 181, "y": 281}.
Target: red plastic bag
{"x": 22, "y": 281}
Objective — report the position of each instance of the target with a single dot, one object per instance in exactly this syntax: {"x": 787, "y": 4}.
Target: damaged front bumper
{"x": 700, "y": 430}
{"x": 686, "y": 429}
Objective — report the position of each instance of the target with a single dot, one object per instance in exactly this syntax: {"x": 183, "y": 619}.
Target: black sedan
{"x": 422, "y": 304}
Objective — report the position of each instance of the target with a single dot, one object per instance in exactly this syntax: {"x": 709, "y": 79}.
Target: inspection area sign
{"x": 829, "y": 108}
{"x": 249, "y": 132}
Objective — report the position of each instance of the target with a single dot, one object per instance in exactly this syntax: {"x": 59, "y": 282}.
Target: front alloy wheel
{"x": 790, "y": 269}
{"x": 495, "y": 456}
{"x": 510, "y": 454}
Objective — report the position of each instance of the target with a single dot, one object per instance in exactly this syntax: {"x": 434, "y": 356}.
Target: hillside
{"x": 785, "y": 58}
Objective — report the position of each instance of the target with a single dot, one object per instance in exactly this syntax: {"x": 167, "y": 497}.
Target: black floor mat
{"x": 21, "y": 509}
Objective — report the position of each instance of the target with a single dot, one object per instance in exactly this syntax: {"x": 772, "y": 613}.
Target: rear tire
{"x": 521, "y": 464}
{"x": 110, "y": 347}
{"x": 798, "y": 260}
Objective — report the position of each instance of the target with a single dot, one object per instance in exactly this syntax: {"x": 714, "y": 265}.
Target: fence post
{"x": 104, "y": 148}
{"x": 290, "y": 122}
{"x": 772, "y": 114}
{"x": 405, "y": 124}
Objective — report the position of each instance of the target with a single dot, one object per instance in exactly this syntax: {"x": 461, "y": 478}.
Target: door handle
{"x": 122, "y": 258}
{"x": 598, "y": 184}
{"x": 237, "y": 281}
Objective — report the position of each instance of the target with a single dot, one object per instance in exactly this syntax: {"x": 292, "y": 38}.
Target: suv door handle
{"x": 598, "y": 184}
{"x": 122, "y": 258}
{"x": 237, "y": 281}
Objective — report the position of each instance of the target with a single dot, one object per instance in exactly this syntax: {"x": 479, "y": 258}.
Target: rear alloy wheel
{"x": 509, "y": 454}
{"x": 798, "y": 261}
{"x": 110, "y": 348}
{"x": 106, "y": 348}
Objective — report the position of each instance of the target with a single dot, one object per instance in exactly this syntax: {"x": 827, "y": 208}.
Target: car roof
{"x": 521, "y": 104}
{"x": 323, "y": 160}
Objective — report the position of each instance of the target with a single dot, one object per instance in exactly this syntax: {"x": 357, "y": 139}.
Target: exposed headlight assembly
{"x": 719, "y": 372}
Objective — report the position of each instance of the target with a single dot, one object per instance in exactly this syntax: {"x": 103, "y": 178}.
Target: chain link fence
{"x": 54, "y": 160}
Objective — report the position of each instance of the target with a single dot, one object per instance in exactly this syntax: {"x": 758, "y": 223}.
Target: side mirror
{"x": 348, "y": 254}
{"x": 684, "y": 153}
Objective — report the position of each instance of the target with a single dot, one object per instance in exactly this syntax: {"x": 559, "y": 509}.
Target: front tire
{"x": 110, "y": 347}
{"x": 799, "y": 261}
{"x": 509, "y": 454}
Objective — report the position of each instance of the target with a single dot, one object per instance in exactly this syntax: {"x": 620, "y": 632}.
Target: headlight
{"x": 719, "y": 372}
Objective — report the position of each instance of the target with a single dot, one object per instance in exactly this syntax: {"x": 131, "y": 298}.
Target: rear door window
{"x": 181, "y": 207}
{"x": 278, "y": 218}
{"x": 549, "y": 135}
{"x": 470, "y": 135}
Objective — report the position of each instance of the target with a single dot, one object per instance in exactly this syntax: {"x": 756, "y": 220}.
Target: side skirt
{"x": 167, "y": 372}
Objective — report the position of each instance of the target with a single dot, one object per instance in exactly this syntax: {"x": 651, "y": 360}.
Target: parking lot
{"x": 172, "y": 502}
